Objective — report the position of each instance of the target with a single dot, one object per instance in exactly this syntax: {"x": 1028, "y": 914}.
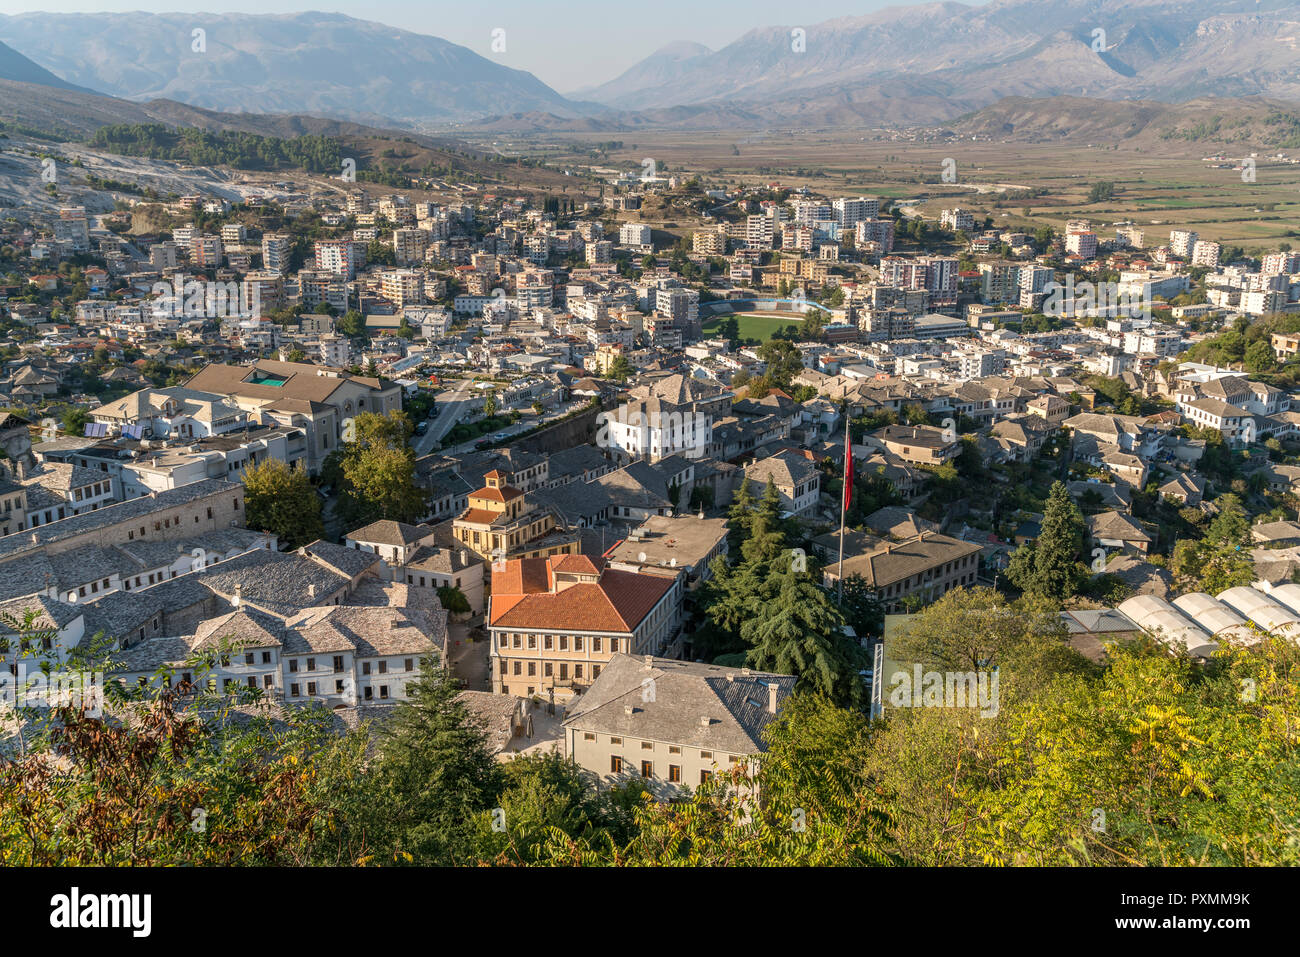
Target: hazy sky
{"x": 568, "y": 44}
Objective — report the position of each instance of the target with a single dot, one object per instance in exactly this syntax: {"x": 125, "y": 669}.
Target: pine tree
{"x": 1050, "y": 566}
{"x": 432, "y": 773}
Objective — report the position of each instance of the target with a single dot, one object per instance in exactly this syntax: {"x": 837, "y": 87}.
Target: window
{"x": 706, "y": 755}
{"x": 365, "y": 667}
{"x": 532, "y": 669}
{"x": 647, "y": 769}
{"x": 615, "y": 764}
{"x": 311, "y": 688}
{"x": 338, "y": 662}
{"x": 548, "y": 642}
{"x": 293, "y": 690}
{"x": 674, "y": 773}
{"x": 532, "y": 641}
{"x": 409, "y": 662}
{"x": 293, "y": 664}
{"x": 383, "y": 691}
{"x": 588, "y": 736}
{"x": 595, "y": 644}
{"x": 338, "y": 687}
{"x": 266, "y": 657}
{"x": 517, "y": 668}
{"x": 674, "y": 749}
{"x": 615, "y": 740}
{"x": 577, "y": 642}
{"x": 705, "y": 775}
{"x": 383, "y": 667}
{"x": 248, "y": 658}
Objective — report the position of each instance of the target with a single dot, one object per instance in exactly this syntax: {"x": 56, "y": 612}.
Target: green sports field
{"x": 753, "y": 325}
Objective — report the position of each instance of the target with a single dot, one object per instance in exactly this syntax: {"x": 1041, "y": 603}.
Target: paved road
{"x": 452, "y": 404}
{"x": 523, "y": 425}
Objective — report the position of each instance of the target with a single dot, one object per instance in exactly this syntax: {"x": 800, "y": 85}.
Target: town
{"x": 538, "y": 504}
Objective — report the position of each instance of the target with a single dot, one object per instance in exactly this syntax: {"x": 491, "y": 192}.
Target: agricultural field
{"x": 1160, "y": 185}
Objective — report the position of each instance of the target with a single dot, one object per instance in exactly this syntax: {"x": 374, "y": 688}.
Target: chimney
{"x": 771, "y": 697}
{"x": 649, "y": 661}
{"x": 705, "y": 721}
{"x": 239, "y": 595}
{"x": 628, "y": 709}
{"x": 311, "y": 591}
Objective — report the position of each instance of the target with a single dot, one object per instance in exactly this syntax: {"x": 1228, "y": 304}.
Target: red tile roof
{"x": 522, "y": 596}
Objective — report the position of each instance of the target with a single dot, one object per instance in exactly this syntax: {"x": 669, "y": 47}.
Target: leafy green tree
{"x": 546, "y": 798}
{"x": 74, "y": 421}
{"x": 453, "y": 599}
{"x": 282, "y": 501}
{"x": 1221, "y": 559}
{"x": 620, "y": 370}
{"x": 376, "y": 470}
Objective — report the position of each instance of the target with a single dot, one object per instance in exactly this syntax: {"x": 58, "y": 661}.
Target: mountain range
{"x": 314, "y": 63}
{"x": 902, "y": 66}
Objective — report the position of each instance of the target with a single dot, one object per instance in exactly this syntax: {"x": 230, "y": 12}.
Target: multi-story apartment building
{"x": 409, "y": 246}
{"x": 402, "y": 287}
{"x": 1205, "y": 253}
{"x": 636, "y": 235}
{"x": 317, "y": 287}
{"x": 877, "y": 232}
{"x": 1082, "y": 244}
{"x": 1000, "y": 281}
{"x": 711, "y": 242}
{"x": 1182, "y": 242}
{"x": 958, "y": 220}
{"x": 850, "y": 212}
{"x": 207, "y": 251}
{"x": 759, "y": 232}
{"x": 599, "y": 252}
{"x": 277, "y": 251}
{"x": 340, "y": 257}
{"x": 1130, "y": 236}
{"x": 1280, "y": 264}
{"x": 556, "y": 622}
{"x": 72, "y": 228}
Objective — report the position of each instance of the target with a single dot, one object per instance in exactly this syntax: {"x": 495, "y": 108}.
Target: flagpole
{"x": 844, "y": 506}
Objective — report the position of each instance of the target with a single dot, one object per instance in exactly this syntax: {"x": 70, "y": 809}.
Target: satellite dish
{"x": 641, "y": 557}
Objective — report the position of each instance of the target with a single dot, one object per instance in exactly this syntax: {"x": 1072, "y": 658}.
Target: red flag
{"x": 848, "y": 467}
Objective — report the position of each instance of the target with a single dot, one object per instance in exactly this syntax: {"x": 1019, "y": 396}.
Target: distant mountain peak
{"x": 14, "y": 66}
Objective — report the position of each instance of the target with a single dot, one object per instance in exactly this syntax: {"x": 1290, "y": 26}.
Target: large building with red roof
{"x": 555, "y": 622}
